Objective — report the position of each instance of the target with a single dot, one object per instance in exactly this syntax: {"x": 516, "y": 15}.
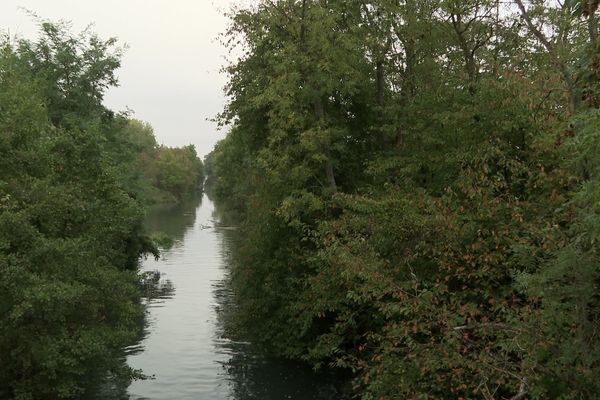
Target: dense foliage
{"x": 70, "y": 214}
{"x": 158, "y": 173}
{"x": 419, "y": 188}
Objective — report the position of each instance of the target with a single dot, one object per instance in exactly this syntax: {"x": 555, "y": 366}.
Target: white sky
{"x": 170, "y": 73}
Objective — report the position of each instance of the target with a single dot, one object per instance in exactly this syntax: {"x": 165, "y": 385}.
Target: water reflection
{"x": 110, "y": 386}
{"x": 153, "y": 287}
{"x": 184, "y": 341}
{"x": 174, "y": 220}
{"x": 254, "y": 377}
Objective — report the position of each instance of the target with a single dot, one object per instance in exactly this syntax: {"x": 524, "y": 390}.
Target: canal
{"x": 184, "y": 346}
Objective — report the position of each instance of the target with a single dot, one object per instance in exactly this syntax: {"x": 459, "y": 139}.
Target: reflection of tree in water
{"x": 111, "y": 386}
{"x": 224, "y": 216}
{"x": 250, "y": 373}
{"x": 108, "y": 387}
{"x": 254, "y": 376}
{"x": 174, "y": 220}
{"x": 154, "y": 288}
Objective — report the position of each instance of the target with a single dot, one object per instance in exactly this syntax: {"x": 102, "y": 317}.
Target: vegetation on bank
{"x": 74, "y": 178}
{"x": 419, "y": 188}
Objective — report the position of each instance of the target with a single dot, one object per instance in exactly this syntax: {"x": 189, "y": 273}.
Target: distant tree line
{"x": 161, "y": 173}
{"x": 419, "y": 185}
{"x": 74, "y": 180}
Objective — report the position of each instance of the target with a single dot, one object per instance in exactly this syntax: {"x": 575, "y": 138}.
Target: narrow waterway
{"x": 183, "y": 345}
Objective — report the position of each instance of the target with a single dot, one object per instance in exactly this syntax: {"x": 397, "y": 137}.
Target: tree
{"x": 70, "y": 235}
{"x": 417, "y": 193}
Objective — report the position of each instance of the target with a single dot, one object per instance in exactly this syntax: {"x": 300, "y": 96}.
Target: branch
{"x": 537, "y": 33}
{"x": 367, "y": 13}
{"x": 282, "y": 12}
{"x": 490, "y": 325}
{"x": 523, "y": 389}
{"x": 568, "y": 79}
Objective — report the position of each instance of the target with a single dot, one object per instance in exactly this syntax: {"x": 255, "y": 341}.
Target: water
{"x": 184, "y": 345}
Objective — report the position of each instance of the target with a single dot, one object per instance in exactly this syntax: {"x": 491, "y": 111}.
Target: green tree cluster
{"x": 71, "y": 215}
{"x": 159, "y": 174}
{"x": 418, "y": 182}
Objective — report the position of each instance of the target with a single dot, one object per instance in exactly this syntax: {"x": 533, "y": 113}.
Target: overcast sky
{"x": 170, "y": 73}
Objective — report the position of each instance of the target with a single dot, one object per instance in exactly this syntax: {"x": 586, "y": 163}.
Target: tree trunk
{"x": 593, "y": 29}
{"x": 468, "y": 54}
{"x": 329, "y": 173}
{"x": 380, "y": 85}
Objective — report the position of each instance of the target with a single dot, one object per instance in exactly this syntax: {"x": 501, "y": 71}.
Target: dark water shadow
{"x": 252, "y": 374}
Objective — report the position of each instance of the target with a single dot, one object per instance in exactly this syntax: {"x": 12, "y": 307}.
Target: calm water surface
{"x": 183, "y": 344}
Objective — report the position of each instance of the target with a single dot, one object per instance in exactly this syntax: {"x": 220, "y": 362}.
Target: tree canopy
{"x": 418, "y": 186}
{"x": 72, "y": 180}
